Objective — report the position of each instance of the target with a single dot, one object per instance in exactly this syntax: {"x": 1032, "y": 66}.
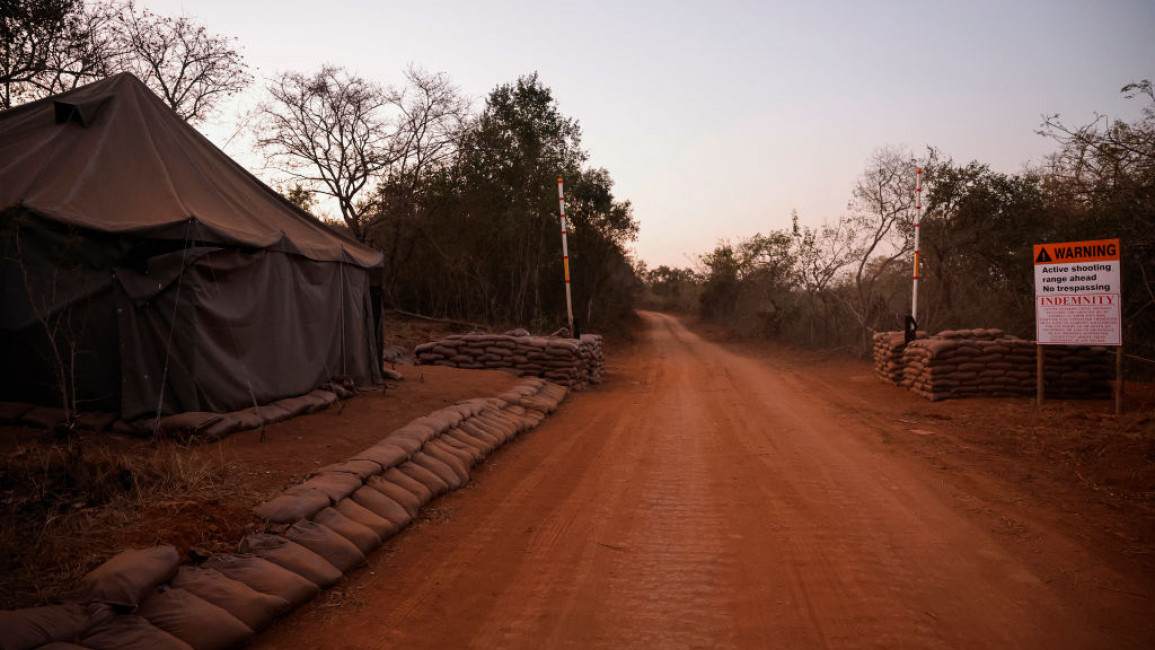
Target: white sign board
{"x": 1077, "y": 293}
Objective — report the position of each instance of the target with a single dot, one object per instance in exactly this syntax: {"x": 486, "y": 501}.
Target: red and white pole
{"x": 565, "y": 255}
{"x": 917, "y": 224}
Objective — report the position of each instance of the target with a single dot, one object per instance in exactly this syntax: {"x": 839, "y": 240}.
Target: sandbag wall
{"x": 940, "y": 369}
{"x": 315, "y": 532}
{"x": 888, "y": 348}
{"x": 569, "y": 362}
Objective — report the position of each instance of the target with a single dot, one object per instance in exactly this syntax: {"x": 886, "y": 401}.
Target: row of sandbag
{"x": 193, "y": 426}
{"x": 942, "y": 369}
{"x": 889, "y": 347}
{"x": 316, "y": 532}
{"x": 566, "y": 361}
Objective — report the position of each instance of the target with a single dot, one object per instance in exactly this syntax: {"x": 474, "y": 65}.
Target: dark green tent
{"x": 172, "y": 277}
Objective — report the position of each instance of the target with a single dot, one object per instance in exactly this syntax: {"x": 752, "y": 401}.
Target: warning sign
{"x": 1077, "y": 294}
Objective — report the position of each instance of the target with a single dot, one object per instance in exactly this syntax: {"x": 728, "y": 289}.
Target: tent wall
{"x": 219, "y": 329}
{"x": 238, "y": 329}
{"x": 50, "y": 272}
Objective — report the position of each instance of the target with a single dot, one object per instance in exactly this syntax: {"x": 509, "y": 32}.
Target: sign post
{"x": 1078, "y": 299}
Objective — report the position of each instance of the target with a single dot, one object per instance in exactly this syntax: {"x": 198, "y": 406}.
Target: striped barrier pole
{"x": 917, "y": 224}
{"x": 565, "y": 255}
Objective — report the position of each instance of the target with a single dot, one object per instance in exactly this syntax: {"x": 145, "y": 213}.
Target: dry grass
{"x": 67, "y": 506}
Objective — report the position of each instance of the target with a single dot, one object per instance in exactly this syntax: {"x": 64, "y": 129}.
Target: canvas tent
{"x": 169, "y": 275}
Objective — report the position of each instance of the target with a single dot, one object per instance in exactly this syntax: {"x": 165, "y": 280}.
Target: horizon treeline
{"x": 833, "y": 285}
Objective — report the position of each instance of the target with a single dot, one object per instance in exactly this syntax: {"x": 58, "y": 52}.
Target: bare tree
{"x": 40, "y": 42}
{"x": 191, "y": 68}
{"x": 431, "y": 112}
{"x": 51, "y": 46}
{"x": 328, "y": 131}
{"x": 821, "y": 253}
{"x": 91, "y": 54}
{"x": 882, "y": 216}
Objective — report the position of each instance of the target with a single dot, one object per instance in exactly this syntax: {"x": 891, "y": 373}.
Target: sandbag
{"x": 197, "y": 622}
{"x": 437, "y": 486}
{"x": 408, "y": 500}
{"x": 383, "y": 454}
{"x": 407, "y": 442}
{"x": 476, "y": 446}
{"x": 187, "y": 426}
{"x": 246, "y": 419}
{"x": 382, "y": 506}
{"x": 362, "y": 515}
{"x": 323, "y": 541}
{"x": 293, "y": 505}
{"x": 455, "y": 463}
{"x": 127, "y": 578}
{"x": 325, "y": 398}
{"x": 360, "y": 468}
{"x": 95, "y": 421}
{"x": 24, "y": 629}
{"x": 317, "y": 402}
{"x": 43, "y": 417}
{"x": 440, "y": 420}
{"x": 364, "y": 538}
{"x": 489, "y": 425}
{"x": 10, "y": 412}
{"x": 443, "y": 445}
{"x": 408, "y": 483}
{"x": 507, "y": 424}
{"x": 273, "y": 413}
{"x": 446, "y": 473}
{"x": 474, "y": 428}
{"x": 296, "y": 405}
{"x": 337, "y": 389}
{"x": 415, "y": 429}
{"x": 264, "y": 576}
{"x": 223, "y": 428}
{"x": 249, "y": 606}
{"x": 294, "y": 557}
{"x": 130, "y": 632}
{"x": 471, "y": 450}
{"x": 538, "y": 403}
{"x": 462, "y": 441}
{"x": 336, "y": 485}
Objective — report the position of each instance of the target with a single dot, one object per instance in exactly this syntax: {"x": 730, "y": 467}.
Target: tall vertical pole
{"x": 565, "y": 255}
{"x": 917, "y": 224}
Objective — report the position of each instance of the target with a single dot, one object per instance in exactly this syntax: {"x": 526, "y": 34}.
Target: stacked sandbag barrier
{"x": 315, "y": 532}
{"x": 570, "y": 362}
{"x": 888, "y": 348}
{"x": 940, "y": 369}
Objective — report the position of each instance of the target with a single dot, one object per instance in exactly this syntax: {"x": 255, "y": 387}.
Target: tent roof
{"x": 112, "y": 157}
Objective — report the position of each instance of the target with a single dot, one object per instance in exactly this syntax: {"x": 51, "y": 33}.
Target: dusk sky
{"x": 717, "y": 119}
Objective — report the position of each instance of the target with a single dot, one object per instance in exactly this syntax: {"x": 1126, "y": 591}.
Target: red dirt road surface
{"x": 706, "y": 499}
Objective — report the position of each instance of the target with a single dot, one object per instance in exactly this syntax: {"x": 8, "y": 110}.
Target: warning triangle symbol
{"x": 1043, "y": 258}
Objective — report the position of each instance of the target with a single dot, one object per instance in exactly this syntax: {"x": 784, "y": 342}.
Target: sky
{"x": 718, "y": 119}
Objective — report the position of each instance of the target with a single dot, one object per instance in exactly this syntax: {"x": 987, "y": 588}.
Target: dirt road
{"x": 707, "y": 500}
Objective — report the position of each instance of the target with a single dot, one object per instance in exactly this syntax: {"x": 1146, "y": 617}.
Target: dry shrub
{"x": 65, "y": 505}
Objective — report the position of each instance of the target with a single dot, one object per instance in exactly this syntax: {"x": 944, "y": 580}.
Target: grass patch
{"x": 67, "y": 506}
